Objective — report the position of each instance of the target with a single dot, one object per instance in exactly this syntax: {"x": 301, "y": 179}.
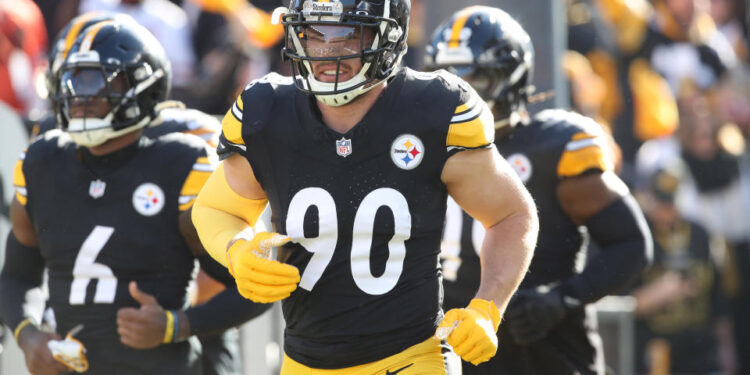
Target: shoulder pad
{"x": 49, "y": 143}
{"x": 255, "y": 100}
{"x": 183, "y": 120}
{"x": 587, "y": 145}
{"x": 472, "y": 124}
{"x": 180, "y": 141}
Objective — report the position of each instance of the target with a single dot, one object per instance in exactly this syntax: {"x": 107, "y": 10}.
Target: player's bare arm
{"x": 485, "y": 186}
{"x": 581, "y": 197}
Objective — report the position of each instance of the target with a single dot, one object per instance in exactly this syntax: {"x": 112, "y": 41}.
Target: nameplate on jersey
{"x": 96, "y": 189}
{"x": 344, "y": 147}
{"x": 148, "y": 199}
{"x": 407, "y": 151}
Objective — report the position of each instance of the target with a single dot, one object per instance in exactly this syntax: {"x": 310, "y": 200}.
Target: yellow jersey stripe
{"x": 192, "y": 186}
{"x": 188, "y": 203}
{"x": 584, "y": 152}
{"x": 19, "y": 181}
{"x": 232, "y": 128}
{"x": 237, "y": 109}
{"x": 458, "y": 25}
{"x": 18, "y": 177}
{"x": 468, "y": 105}
{"x": 239, "y": 104}
{"x": 476, "y": 132}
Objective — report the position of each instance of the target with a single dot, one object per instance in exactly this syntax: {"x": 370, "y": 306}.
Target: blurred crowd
{"x": 669, "y": 79}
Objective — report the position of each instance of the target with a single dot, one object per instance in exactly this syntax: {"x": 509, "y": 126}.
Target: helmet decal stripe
{"x": 90, "y": 35}
{"x": 458, "y": 25}
{"x": 75, "y": 29}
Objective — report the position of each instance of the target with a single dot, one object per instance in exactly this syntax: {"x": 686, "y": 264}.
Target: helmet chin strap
{"x": 92, "y": 132}
{"x": 340, "y": 99}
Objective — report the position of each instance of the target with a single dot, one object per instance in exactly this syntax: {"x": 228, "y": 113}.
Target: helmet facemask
{"x": 99, "y": 101}
{"x": 339, "y": 55}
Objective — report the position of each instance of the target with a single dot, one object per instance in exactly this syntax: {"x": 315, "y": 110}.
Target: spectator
{"x": 683, "y": 324}
{"x": 167, "y": 21}
{"x": 23, "y": 43}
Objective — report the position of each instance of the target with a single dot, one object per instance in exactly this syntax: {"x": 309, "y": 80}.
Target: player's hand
{"x": 532, "y": 313}
{"x": 258, "y": 278}
{"x": 39, "y": 359}
{"x": 472, "y": 331}
{"x": 141, "y": 328}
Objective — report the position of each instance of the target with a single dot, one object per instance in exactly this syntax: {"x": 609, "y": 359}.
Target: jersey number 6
{"x": 86, "y": 269}
{"x": 324, "y": 244}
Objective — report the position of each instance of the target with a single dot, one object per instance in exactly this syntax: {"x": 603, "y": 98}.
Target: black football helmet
{"x": 491, "y": 51}
{"x": 113, "y": 77}
{"x": 64, "y": 41}
{"x": 375, "y": 29}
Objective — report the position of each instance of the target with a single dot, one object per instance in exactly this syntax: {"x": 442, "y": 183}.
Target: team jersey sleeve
{"x": 230, "y": 141}
{"x": 202, "y": 169}
{"x": 472, "y": 125}
{"x": 585, "y": 151}
{"x": 19, "y": 180}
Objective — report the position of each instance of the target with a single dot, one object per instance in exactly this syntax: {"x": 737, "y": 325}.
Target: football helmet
{"x": 490, "y": 50}
{"x": 113, "y": 77}
{"x": 64, "y": 41}
{"x": 324, "y": 34}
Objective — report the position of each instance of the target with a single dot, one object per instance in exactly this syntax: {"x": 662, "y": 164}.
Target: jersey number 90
{"x": 324, "y": 244}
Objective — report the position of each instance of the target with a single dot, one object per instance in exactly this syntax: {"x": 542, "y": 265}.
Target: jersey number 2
{"x": 324, "y": 244}
{"x": 86, "y": 269}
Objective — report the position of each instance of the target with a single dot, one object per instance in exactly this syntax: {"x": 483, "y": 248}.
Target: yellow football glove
{"x": 472, "y": 331}
{"x": 258, "y": 278}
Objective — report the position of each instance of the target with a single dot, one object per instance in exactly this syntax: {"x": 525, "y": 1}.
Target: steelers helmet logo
{"x": 148, "y": 199}
{"x": 522, "y": 165}
{"x": 407, "y": 151}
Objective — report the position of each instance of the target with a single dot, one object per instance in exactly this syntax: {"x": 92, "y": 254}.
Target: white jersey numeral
{"x": 324, "y": 244}
{"x": 451, "y": 244}
{"x": 86, "y": 268}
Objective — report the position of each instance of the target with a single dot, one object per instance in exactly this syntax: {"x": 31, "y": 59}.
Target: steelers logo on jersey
{"x": 148, "y": 199}
{"x": 522, "y": 165}
{"x": 407, "y": 151}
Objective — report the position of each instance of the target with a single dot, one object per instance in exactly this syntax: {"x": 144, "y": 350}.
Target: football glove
{"x": 259, "y": 278}
{"x": 533, "y": 313}
{"x": 70, "y": 351}
{"x": 472, "y": 331}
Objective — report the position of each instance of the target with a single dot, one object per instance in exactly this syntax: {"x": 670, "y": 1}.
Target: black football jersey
{"x": 364, "y": 209}
{"x": 103, "y": 222}
{"x": 555, "y": 145}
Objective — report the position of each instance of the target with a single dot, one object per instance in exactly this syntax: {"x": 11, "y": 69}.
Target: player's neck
{"x": 344, "y": 118}
{"x": 116, "y": 144}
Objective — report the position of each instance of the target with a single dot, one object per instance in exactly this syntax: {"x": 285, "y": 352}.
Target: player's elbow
{"x": 621, "y": 227}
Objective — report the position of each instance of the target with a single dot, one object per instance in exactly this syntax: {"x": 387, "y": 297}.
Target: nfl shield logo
{"x": 96, "y": 189}
{"x": 344, "y": 147}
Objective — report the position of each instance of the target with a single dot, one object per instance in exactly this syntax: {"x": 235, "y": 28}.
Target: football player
{"x": 565, "y": 161}
{"x": 171, "y": 116}
{"x": 107, "y": 212}
{"x": 221, "y": 349}
{"x": 356, "y": 156}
